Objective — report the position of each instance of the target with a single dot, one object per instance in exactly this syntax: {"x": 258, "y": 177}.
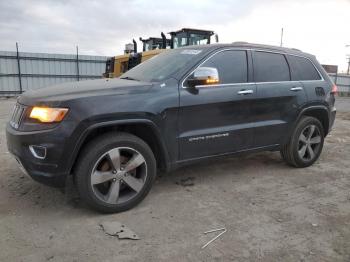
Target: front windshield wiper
{"x": 129, "y": 78}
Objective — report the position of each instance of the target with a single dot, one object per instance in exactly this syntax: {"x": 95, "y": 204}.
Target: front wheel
{"x": 115, "y": 172}
{"x": 306, "y": 143}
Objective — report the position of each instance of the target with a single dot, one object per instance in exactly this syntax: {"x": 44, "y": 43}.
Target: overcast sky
{"x": 321, "y": 27}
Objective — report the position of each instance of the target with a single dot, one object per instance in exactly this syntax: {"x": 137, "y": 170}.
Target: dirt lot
{"x": 272, "y": 212}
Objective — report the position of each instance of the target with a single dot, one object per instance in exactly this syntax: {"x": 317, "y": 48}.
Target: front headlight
{"x": 48, "y": 114}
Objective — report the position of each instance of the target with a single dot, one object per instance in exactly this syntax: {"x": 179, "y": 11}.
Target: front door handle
{"x": 297, "y": 88}
{"x": 245, "y": 92}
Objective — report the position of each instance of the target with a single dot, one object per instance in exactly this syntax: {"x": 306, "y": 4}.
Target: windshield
{"x": 196, "y": 39}
{"x": 161, "y": 66}
{"x": 180, "y": 40}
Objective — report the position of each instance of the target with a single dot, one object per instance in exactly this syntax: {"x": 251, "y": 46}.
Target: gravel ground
{"x": 272, "y": 212}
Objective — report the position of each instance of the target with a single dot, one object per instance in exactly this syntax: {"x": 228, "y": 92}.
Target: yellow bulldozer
{"x": 117, "y": 65}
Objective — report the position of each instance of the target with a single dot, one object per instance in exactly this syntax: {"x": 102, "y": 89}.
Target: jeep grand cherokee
{"x": 181, "y": 106}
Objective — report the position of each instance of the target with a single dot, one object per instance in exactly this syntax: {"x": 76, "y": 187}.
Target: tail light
{"x": 334, "y": 90}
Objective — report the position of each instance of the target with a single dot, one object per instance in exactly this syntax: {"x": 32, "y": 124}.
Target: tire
{"x": 115, "y": 172}
{"x": 307, "y": 136}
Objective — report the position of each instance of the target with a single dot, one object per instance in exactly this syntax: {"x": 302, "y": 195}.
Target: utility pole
{"x": 348, "y": 72}
{"x": 281, "y": 37}
{"x": 19, "y": 70}
{"x": 77, "y": 59}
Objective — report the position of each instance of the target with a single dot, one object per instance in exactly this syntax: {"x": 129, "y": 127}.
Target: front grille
{"x": 17, "y": 116}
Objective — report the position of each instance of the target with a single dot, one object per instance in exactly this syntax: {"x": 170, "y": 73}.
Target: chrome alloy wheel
{"x": 119, "y": 175}
{"x": 309, "y": 143}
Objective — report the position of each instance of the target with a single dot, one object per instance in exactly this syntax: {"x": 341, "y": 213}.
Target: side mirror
{"x": 204, "y": 76}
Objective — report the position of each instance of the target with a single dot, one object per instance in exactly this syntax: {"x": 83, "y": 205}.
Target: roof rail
{"x": 240, "y": 42}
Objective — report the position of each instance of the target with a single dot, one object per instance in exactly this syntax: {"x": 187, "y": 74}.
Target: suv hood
{"x": 75, "y": 90}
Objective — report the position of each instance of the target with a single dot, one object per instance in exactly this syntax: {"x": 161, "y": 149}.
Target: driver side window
{"x": 231, "y": 65}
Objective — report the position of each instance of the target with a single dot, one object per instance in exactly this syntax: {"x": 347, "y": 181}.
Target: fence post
{"x": 78, "y": 77}
{"x": 19, "y": 70}
{"x": 336, "y": 77}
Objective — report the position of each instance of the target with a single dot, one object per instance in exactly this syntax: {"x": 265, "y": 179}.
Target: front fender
{"x": 114, "y": 123}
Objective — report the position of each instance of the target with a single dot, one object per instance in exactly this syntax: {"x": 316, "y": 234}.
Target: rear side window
{"x": 231, "y": 66}
{"x": 303, "y": 69}
{"x": 270, "y": 67}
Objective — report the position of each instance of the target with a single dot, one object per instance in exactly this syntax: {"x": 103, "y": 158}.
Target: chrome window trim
{"x": 218, "y": 85}
{"x": 252, "y": 83}
{"x": 276, "y": 52}
{"x": 205, "y": 60}
{"x": 318, "y": 71}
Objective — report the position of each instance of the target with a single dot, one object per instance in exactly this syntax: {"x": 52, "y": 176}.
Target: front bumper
{"x": 49, "y": 171}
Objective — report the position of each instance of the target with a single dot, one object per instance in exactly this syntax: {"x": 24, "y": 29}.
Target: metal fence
{"x": 343, "y": 83}
{"x": 21, "y": 71}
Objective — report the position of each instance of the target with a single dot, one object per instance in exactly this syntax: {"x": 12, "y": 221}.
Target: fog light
{"x": 38, "y": 151}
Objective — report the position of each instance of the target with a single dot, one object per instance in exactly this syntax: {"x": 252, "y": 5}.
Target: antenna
{"x": 281, "y": 37}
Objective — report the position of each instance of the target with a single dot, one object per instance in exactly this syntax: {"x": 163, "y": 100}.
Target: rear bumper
{"x": 332, "y": 116}
{"x": 47, "y": 171}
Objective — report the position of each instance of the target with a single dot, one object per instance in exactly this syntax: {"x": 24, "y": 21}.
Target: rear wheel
{"x": 306, "y": 143}
{"x": 115, "y": 172}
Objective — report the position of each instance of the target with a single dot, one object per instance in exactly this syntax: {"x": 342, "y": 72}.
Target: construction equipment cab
{"x": 152, "y": 43}
{"x": 188, "y": 36}
{"x": 117, "y": 65}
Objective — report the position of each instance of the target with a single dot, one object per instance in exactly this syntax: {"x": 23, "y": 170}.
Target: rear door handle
{"x": 245, "y": 92}
{"x": 297, "y": 88}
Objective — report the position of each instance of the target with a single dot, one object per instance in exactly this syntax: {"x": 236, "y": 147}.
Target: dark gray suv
{"x": 181, "y": 106}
